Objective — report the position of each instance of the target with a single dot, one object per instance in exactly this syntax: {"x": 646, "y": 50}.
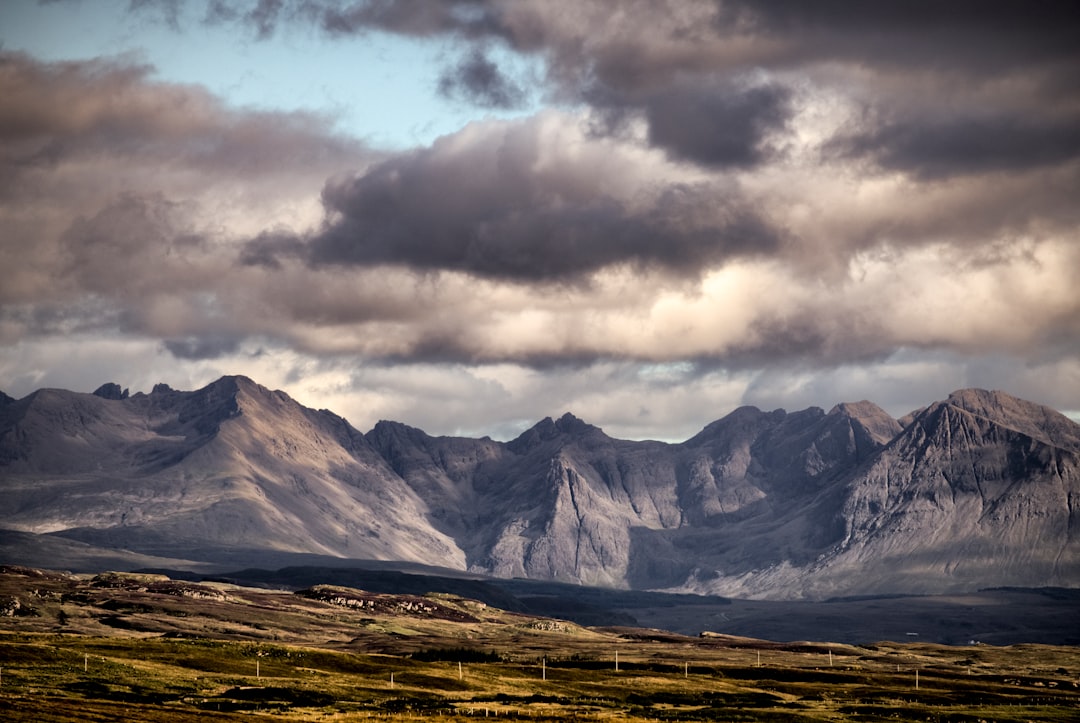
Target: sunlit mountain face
{"x": 977, "y": 490}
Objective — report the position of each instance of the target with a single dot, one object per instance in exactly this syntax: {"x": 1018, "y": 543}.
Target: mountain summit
{"x": 974, "y": 491}
{"x": 230, "y": 466}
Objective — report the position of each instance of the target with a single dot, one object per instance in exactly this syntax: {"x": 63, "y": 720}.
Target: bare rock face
{"x": 979, "y": 482}
{"x": 229, "y": 466}
{"x": 111, "y": 390}
{"x": 978, "y": 490}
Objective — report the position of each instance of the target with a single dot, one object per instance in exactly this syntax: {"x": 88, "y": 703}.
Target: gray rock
{"x": 975, "y": 491}
{"x": 112, "y": 391}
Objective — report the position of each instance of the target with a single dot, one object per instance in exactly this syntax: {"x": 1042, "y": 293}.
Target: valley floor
{"x": 147, "y": 648}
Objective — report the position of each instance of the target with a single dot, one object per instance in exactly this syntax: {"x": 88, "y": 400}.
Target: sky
{"x": 469, "y": 215}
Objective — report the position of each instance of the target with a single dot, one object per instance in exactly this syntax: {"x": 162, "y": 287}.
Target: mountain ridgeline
{"x": 979, "y": 490}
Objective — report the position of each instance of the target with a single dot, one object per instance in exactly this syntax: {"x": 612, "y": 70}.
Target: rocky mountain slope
{"x": 978, "y": 490}
{"x": 231, "y": 465}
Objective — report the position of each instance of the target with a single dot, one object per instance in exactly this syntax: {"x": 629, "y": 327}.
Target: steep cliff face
{"x": 980, "y": 482}
{"x": 752, "y": 455}
{"x": 566, "y": 502}
{"x": 978, "y": 490}
{"x": 568, "y": 497}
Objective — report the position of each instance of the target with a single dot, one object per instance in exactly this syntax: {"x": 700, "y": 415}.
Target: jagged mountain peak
{"x": 1002, "y": 409}
{"x": 881, "y": 427}
{"x": 389, "y": 426}
{"x": 996, "y": 406}
{"x": 547, "y": 429}
{"x": 859, "y": 410}
{"x": 387, "y": 432}
{"x": 541, "y": 431}
{"x": 569, "y": 424}
{"x": 229, "y": 384}
{"x": 974, "y": 396}
{"x": 237, "y": 383}
{"x": 743, "y": 418}
{"x": 764, "y": 503}
{"x": 233, "y": 395}
{"x": 111, "y": 390}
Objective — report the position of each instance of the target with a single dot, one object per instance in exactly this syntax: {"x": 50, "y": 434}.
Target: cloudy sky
{"x": 469, "y": 215}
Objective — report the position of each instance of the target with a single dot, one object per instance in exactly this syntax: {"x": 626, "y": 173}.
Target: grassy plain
{"x": 145, "y": 648}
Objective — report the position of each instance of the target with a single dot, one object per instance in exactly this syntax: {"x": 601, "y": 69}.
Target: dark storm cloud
{"x": 479, "y": 81}
{"x": 953, "y": 146}
{"x": 967, "y": 36}
{"x": 484, "y": 209}
{"x": 269, "y": 248}
{"x": 527, "y": 239}
{"x": 718, "y": 127}
{"x": 211, "y": 346}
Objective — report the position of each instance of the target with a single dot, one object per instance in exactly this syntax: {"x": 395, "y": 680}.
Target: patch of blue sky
{"x": 377, "y": 87}
{"x": 676, "y": 372}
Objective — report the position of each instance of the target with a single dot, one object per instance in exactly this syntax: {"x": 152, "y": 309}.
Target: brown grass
{"x": 150, "y": 650}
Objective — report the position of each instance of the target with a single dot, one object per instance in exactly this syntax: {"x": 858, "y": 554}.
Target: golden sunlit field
{"x": 146, "y": 648}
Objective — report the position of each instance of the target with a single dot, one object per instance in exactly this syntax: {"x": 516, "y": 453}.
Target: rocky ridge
{"x": 977, "y": 490}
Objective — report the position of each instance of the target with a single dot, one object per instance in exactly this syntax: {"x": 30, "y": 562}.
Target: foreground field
{"x": 145, "y": 648}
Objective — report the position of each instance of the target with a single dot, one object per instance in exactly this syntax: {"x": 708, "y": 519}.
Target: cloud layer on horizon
{"x": 724, "y": 200}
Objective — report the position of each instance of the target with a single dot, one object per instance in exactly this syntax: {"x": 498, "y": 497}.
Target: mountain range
{"x": 979, "y": 490}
